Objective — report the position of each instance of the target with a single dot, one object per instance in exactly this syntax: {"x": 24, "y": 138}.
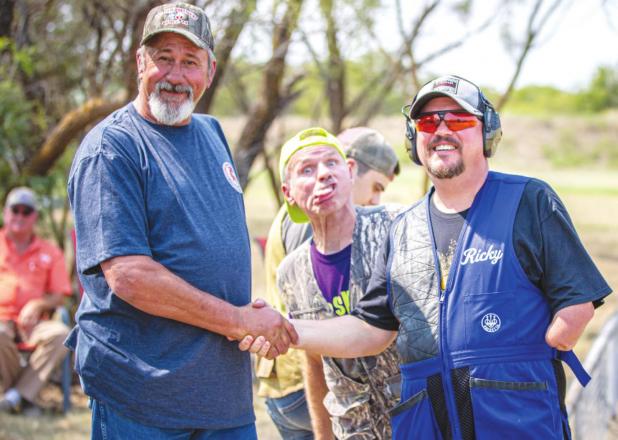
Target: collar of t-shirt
{"x": 332, "y": 273}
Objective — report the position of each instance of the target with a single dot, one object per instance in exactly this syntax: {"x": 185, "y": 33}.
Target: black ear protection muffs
{"x": 492, "y": 131}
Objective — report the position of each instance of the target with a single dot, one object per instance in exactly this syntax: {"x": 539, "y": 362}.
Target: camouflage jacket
{"x": 362, "y": 390}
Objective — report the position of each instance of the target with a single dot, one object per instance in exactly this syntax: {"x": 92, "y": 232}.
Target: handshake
{"x": 263, "y": 330}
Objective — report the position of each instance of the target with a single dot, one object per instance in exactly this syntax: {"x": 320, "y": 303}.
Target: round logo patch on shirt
{"x": 491, "y": 323}
{"x": 230, "y": 175}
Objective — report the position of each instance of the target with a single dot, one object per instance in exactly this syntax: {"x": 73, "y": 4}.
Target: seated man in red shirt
{"x": 33, "y": 282}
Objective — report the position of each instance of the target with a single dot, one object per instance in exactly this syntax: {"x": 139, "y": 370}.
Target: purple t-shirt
{"x": 332, "y": 272}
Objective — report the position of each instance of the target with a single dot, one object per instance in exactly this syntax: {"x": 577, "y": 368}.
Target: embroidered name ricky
{"x": 473, "y": 255}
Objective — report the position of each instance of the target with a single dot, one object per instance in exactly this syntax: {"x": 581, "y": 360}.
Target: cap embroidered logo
{"x": 447, "y": 85}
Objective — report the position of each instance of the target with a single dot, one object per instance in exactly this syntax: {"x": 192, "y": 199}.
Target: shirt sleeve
{"x": 374, "y": 307}
{"x": 551, "y": 253}
{"x": 273, "y": 256}
{"x": 293, "y": 234}
{"x": 108, "y": 202}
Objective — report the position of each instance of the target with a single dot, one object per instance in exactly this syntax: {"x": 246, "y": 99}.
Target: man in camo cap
{"x": 160, "y": 220}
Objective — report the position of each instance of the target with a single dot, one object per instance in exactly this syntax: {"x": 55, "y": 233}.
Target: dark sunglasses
{"x": 454, "y": 120}
{"x": 22, "y": 210}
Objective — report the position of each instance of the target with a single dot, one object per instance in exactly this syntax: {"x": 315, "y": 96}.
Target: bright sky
{"x": 576, "y": 41}
{"x": 571, "y": 48}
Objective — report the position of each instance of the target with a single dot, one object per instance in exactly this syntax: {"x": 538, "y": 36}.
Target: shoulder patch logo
{"x": 230, "y": 175}
{"x": 491, "y": 323}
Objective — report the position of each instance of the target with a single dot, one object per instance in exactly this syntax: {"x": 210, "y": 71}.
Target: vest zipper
{"x": 447, "y": 386}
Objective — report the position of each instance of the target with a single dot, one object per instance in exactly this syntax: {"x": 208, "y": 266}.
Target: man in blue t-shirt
{"x": 160, "y": 222}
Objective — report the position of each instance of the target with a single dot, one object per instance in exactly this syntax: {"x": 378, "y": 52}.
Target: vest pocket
{"x": 500, "y": 319}
{"x": 513, "y": 409}
{"x": 414, "y": 418}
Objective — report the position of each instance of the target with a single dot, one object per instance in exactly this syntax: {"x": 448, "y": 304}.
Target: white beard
{"x": 170, "y": 114}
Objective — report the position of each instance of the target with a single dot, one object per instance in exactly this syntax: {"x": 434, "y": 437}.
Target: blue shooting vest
{"x": 490, "y": 374}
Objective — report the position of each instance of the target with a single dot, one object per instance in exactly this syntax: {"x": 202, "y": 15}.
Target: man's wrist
{"x": 237, "y": 330}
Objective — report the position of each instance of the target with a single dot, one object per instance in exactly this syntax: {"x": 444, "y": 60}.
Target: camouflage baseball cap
{"x": 370, "y": 148}
{"x": 181, "y": 18}
{"x": 311, "y": 137}
{"x": 462, "y": 91}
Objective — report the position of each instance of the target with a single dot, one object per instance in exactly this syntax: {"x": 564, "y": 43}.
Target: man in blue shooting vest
{"x": 484, "y": 282}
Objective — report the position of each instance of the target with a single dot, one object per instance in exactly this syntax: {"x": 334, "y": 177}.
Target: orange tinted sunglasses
{"x": 454, "y": 120}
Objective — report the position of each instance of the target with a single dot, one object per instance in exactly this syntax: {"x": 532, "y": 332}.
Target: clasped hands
{"x": 264, "y": 330}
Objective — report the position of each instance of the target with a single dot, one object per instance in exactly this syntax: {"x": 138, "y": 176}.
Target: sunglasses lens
{"x": 24, "y": 210}
{"x": 428, "y": 123}
{"x": 455, "y": 121}
{"x": 460, "y": 121}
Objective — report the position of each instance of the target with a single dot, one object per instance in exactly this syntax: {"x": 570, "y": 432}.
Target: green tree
{"x": 602, "y": 93}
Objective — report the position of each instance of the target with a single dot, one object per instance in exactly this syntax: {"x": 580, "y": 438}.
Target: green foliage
{"x": 22, "y": 122}
{"x": 602, "y": 93}
{"x": 540, "y": 100}
{"x": 22, "y": 58}
{"x": 226, "y": 102}
{"x": 22, "y": 126}
{"x": 16, "y": 126}
{"x": 312, "y": 102}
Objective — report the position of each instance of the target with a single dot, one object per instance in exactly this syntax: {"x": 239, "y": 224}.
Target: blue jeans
{"x": 107, "y": 424}
{"x": 291, "y": 416}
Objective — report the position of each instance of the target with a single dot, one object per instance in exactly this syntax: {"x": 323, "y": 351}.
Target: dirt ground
{"x": 590, "y": 195}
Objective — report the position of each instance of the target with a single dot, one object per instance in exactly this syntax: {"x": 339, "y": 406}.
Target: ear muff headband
{"x": 410, "y": 134}
{"x": 492, "y": 128}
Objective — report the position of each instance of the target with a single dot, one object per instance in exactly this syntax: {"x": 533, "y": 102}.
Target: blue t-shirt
{"x": 170, "y": 193}
{"x": 332, "y": 273}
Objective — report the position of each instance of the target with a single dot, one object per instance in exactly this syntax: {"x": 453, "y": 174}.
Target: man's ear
{"x": 212, "y": 71}
{"x": 285, "y": 189}
{"x": 353, "y": 167}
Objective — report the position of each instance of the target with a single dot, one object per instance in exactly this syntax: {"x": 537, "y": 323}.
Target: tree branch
{"x": 69, "y": 127}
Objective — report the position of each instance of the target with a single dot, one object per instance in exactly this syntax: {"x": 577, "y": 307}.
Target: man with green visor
{"x": 326, "y": 276}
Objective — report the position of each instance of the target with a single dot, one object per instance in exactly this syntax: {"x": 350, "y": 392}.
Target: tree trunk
{"x": 335, "y": 80}
{"x": 7, "y": 8}
{"x": 223, "y": 50}
{"x": 251, "y": 142}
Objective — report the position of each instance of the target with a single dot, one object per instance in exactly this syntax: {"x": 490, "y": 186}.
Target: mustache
{"x": 179, "y": 88}
{"x": 439, "y": 140}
